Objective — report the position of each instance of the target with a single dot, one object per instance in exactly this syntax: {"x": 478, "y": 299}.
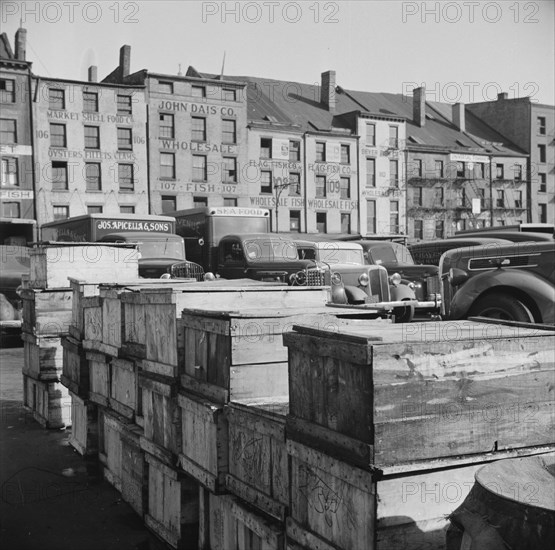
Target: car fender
{"x": 401, "y": 292}
{"x": 355, "y": 294}
{"x": 539, "y": 290}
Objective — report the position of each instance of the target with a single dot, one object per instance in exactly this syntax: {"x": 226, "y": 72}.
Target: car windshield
{"x": 162, "y": 248}
{"x": 270, "y": 249}
{"x": 335, "y": 255}
{"x": 390, "y": 253}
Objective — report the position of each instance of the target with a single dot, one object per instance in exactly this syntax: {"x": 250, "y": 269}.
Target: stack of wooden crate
{"x": 387, "y": 427}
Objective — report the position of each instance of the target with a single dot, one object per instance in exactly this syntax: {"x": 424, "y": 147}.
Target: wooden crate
{"x": 42, "y": 357}
{"x": 227, "y": 523}
{"x": 99, "y": 378}
{"x": 151, "y": 314}
{"x": 161, "y": 415}
{"x": 173, "y": 505}
{"x": 52, "y": 264}
{"x": 134, "y": 475}
{"x": 48, "y": 402}
{"x": 416, "y": 392}
{"x": 258, "y": 460}
{"x": 75, "y": 367}
{"x": 204, "y": 443}
{"x": 46, "y": 312}
{"x": 125, "y": 394}
{"x": 337, "y": 505}
{"x": 84, "y": 425}
{"x": 238, "y": 356}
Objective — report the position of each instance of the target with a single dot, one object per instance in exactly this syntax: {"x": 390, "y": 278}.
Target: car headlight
{"x": 363, "y": 279}
{"x": 336, "y": 278}
{"x": 395, "y": 279}
{"x": 412, "y": 286}
{"x": 209, "y": 276}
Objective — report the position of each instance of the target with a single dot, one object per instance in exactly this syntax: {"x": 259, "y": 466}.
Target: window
{"x": 321, "y": 222}
{"x": 199, "y": 202}
{"x": 229, "y": 131}
{"x": 11, "y": 210}
{"x": 345, "y": 188}
{"x": 198, "y": 129}
{"x": 417, "y": 196}
{"x": 517, "y": 172}
{"x": 320, "y": 151}
{"x": 460, "y": 169}
{"x": 56, "y": 99}
{"x": 370, "y": 134}
{"x": 500, "y": 203}
{"x": 199, "y": 168}
{"x": 543, "y": 182}
{"x": 92, "y": 137}
{"x": 125, "y": 209}
{"x": 543, "y": 212}
{"x": 541, "y": 125}
{"x": 371, "y": 216}
{"x": 7, "y": 91}
{"x": 418, "y": 229}
{"x": 320, "y": 187}
{"x": 394, "y": 173}
{"x": 167, "y": 129}
{"x": 295, "y": 221}
{"x": 230, "y": 201}
{"x": 90, "y": 102}
{"x": 394, "y": 216}
{"x": 345, "y": 223}
{"x": 294, "y": 151}
{"x": 94, "y": 209}
{"x": 59, "y": 176}
{"x": 294, "y": 184}
{"x": 518, "y": 199}
{"x": 460, "y": 197}
{"x": 9, "y": 172}
{"x": 60, "y": 212}
{"x": 345, "y": 154}
{"x": 92, "y": 176}
{"x": 480, "y": 170}
{"x": 165, "y": 87}
{"x": 265, "y": 148}
{"x": 126, "y": 178}
{"x": 229, "y": 94}
{"x": 124, "y": 104}
{"x": 58, "y": 135}
{"x": 125, "y": 139}
{"x": 541, "y": 152}
{"x": 394, "y": 137}
{"x": 167, "y": 166}
{"x": 501, "y": 222}
{"x": 499, "y": 172}
{"x": 439, "y": 168}
{"x": 265, "y": 181}
{"x": 440, "y": 229}
{"x": 8, "y": 132}
{"x": 370, "y": 172}
{"x": 198, "y": 91}
{"x": 230, "y": 169}
{"x": 482, "y": 196}
{"x": 417, "y": 168}
{"x": 438, "y": 196}
{"x": 169, "y": 203}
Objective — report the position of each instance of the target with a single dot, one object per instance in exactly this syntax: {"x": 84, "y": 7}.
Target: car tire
{"x": 502, "y": 307}
{"x": 404, "y": 314}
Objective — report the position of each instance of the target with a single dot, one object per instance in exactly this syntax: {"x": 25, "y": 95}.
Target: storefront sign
{"x": 455, "y": 157}
{"x": 16, "y": 194}
{"x": 195, "y": 108}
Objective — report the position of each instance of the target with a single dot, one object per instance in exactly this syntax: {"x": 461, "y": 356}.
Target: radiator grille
{"x": 314, "y": 277}
{"x": 187, "y": 270}
{"x": 379, "y": 284}
{"x": 433, "y": 285}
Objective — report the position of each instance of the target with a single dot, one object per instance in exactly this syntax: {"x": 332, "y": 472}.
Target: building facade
{"x": 17, "y": 193}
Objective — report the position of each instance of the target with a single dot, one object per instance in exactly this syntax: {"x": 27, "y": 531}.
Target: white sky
{"x": 461, "y": 51}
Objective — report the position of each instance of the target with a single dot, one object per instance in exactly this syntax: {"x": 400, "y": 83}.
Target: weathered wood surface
{"x": 134, "y": 475}
{"x": 458, "y": 388}
{"x": 258, "y": 461}
{"x": 75, "y": 369}
{"x": 48, "y": 402}
{"x": 46, "y": 312}
{"x": 42, "y": 357}
{"x": 99, "y": 378}
{"x": 124, "y": 387}
{"x": 204, "y": 441}
{"x": 84, "y": 425}
{"x": 52, "y": 264}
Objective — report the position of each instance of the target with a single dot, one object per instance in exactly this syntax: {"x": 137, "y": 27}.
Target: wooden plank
{"x": 124, "y": 387}
{"x": 49, "y": 402}
{"x": 267, "y": 380}
{"x": 269, "y": 533}
{"x": 99, "y": 377}
{"x": 204, "y": 389}
{"x": 84, "y": 426}
{"x": 75, "y": 368}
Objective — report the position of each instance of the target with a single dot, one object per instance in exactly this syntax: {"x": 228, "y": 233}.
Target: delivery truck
{"x": 158, "y": 244}
{"x": 202, "y": 228}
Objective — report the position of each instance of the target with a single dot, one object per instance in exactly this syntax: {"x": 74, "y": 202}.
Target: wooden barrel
{"x": 511, "y": 505}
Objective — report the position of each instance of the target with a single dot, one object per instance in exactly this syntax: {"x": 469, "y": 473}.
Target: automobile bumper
{"x": 378, "y": 306}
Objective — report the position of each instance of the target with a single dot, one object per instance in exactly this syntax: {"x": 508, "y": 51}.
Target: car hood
{"x": 412, "y": 271}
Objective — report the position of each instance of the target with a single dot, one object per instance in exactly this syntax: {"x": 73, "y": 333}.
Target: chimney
{"x": 419, "y": 106}
{"x": 327, "y": 91}
{"x": 458, "y": 116}
{"x": 503, "y": 95}
{"x": 93, "y": 73}
{"x": 124, "y": 60}
{"x": 20, "y": 44}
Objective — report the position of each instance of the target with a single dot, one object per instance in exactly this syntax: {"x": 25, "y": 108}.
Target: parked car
{"x": 513, "y": 236}
{"x": 514, "y": 282}
{"x": 422, "y": 280}
{"x": 430, "y": 252}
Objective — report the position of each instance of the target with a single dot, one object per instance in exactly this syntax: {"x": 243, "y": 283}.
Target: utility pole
{"x": 278, "y": 191}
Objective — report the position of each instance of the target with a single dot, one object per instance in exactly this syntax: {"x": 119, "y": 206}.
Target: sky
{"x": 460, "y": 51}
